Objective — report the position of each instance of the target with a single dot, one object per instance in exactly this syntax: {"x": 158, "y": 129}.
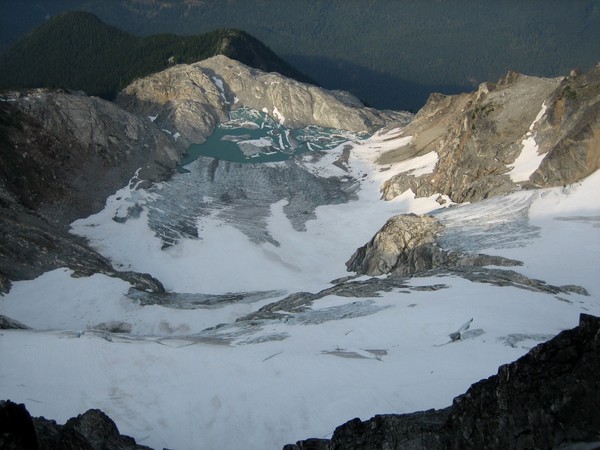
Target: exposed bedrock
{"x": 546, "y": 399}
{"x": 406, "y": 245}
{"x": 479, "y": 136}
{"x": 61, "y": 156}
{"x": 192, "y": 99}
{"x": 92, "y": 430}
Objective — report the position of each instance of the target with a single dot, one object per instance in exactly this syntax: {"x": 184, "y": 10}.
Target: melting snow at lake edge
{"x": 189, "y": 377}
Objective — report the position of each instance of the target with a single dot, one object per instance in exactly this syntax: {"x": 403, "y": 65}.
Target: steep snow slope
{"x": 180, "y": 372}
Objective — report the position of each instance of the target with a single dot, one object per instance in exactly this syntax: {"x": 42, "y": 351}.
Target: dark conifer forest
{"x": 390, "y": 53}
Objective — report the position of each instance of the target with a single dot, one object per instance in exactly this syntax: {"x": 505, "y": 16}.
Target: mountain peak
{"x": 108, "y": 59}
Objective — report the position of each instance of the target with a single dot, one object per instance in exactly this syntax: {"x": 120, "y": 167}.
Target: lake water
{"x": 252, "y": 136}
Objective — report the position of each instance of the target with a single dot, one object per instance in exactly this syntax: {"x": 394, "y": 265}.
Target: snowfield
{"x": 169, "y": 383}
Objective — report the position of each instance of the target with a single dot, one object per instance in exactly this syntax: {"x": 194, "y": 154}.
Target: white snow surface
{"x": 529, "y": 159}
{"x": 167, "y": 390}
{"x": 277, "y": 114}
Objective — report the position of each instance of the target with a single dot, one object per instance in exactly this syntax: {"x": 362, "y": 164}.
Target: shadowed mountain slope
{"x": 76, "y": 50}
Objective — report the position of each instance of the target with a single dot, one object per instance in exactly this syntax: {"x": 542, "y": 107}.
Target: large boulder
{"x": 392, "y": 245}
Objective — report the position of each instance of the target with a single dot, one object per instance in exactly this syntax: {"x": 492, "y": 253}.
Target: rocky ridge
{"x": 479, "y": 137}
{"x": 91, "y": 430}
{"x": 546, "y": 399}
{"x": 189, "y": 100}
{"x": 55, "y": 145}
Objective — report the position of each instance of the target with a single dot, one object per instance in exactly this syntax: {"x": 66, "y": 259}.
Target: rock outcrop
{"x": 406, "y": 245}
{"x": 480, "y": 136}
{"x": 190, "y": 100}
{"x": 32, "y": 245}
{"x": 62, "y": 155}
{"x": 546, "y": 399}
{"x": 91, "y": 430}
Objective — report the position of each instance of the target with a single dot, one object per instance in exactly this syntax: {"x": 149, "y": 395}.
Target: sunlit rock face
{"x": 190, "y": 100}
{"x": 520, "y": 132}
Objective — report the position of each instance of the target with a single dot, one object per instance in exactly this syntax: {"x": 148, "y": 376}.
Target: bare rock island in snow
{"x": 406, "y": 245}
{"x": 64, "y": 153}
{"x": 546, "y": 399}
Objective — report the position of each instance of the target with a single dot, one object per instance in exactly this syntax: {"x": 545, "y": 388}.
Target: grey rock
{"x": 568, "y": 132}
{"x": 406, "y": 245}
{"x": 33, "y": 245}
{"x": 546, "y": 399}
{"x": 61, "y": 156}
{"x": 398, "y": 237}
{"x": 192, "y": 99}
{"x": 195, "y": 301}
{"x": 478, "y": 136}
{"x": 114, "y": 326}
{"x": 6, "y": 323}
{"x": 503, "y": 277}
{"x": 64, "y": 154}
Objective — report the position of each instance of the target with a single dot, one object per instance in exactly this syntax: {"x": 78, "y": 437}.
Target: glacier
{"x": 197, "y": 369}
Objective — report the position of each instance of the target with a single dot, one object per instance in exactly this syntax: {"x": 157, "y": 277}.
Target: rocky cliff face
{"x": 61, "y": 156}
{"x": 58, "y": 145}
{"x": 189, "y": 100}
{"x": 546, "y": 399}
{"x": 491, "y": 141}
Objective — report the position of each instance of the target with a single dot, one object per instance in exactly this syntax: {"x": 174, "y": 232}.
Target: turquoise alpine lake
{"x": 252, "y": 136}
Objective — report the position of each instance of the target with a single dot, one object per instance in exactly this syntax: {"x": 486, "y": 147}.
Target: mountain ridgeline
{"x": 390, "y": 54}
{"x": 76, "y": 50}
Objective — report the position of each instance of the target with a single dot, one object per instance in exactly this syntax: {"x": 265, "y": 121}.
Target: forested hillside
{"x": 76, "y": 50}
{"x": 389, "y": 53}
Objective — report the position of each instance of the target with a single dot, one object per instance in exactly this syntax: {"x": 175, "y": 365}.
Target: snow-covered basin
{"x": 168, "y": 393}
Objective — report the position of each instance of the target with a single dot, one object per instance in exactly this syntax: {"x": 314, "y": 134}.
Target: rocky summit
{"x": 491, "y": 141}
{"x": 189, "y": 100}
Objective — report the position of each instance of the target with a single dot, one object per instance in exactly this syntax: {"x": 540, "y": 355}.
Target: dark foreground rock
{"x": 32, "y": 245}
{"x": 92, "y": 430}
{"x": 547, "y": 399}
